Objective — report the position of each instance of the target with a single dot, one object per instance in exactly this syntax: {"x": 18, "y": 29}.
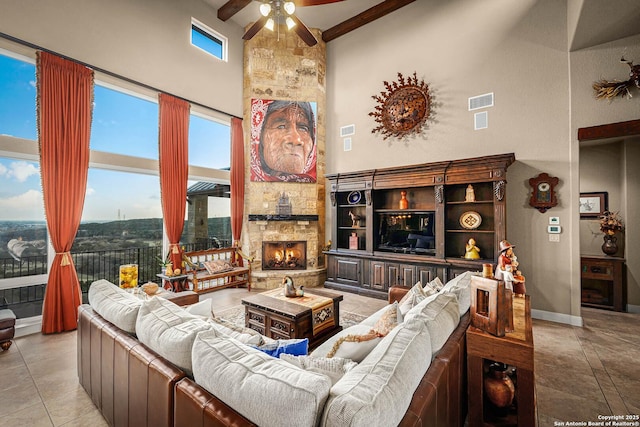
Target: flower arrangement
{"x": 610, "y": 222}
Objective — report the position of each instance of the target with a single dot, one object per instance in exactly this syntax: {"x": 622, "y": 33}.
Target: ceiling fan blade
{"x": 301, "y": 3}
{"x": 255, "y": 28}
{"x": 304, "y": 32}
{"x": 230, "y": 8}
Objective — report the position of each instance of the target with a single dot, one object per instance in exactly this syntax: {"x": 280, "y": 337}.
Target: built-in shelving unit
{"x": 379, "y": 241}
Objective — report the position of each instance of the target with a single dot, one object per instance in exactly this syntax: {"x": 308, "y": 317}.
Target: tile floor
{"x": 581, "y": 373}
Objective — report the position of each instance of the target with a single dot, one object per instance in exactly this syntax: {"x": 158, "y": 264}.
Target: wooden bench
{"x": 202, "y": 280}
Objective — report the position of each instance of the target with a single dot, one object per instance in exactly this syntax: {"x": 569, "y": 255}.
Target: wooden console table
{"x": 516, "y": 350}
{"x": 602, "y": 279}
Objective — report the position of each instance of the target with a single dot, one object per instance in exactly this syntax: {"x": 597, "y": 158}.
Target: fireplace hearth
{"x": 284, "y": 255}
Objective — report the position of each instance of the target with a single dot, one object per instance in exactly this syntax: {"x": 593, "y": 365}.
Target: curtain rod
{"x": 109, "y": 73}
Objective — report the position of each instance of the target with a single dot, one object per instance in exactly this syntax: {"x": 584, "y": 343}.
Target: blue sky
{"x": 122, "y": 124}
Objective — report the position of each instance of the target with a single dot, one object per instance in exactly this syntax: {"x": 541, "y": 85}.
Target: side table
{"x": 514, "y": 349}
{"x": 174, "y": 283}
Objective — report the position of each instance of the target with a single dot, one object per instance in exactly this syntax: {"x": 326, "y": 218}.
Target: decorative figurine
{"x": 470, "y": 195}
{"x": 472, "y": 251}
{"x": 290, "y": 290}
{"x": 355, "y": 219}
{"x": 512, "y": 274}
{"x": 404, "y": 203}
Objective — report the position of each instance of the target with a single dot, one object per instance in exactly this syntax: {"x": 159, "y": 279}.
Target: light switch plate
{"x": 554, "y": 238}
{"x": 554, "y": 220}
{"x": 554, "y": 229}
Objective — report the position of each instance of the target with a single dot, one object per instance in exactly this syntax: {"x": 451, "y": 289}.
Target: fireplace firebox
{"x": 284, "y": 255}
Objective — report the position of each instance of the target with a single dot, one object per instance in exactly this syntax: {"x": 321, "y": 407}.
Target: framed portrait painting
{"x": 283, "y": 141}
{"x": 592, "y": 205}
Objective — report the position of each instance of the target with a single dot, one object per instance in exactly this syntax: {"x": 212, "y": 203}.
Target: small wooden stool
{"x": 7, "y": 328}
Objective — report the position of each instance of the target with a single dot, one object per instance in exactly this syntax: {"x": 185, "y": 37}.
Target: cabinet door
{"x": 400, "y": 274}
{"x": 377, "y": 275}
{"x": 348, "y": 271}
{"x": 426, "y": 274}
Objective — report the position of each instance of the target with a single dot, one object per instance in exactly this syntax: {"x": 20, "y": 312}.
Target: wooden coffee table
{"x": 279, "y": 319}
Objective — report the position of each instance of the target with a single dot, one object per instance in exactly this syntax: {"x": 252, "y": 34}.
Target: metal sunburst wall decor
{"x": 403, "y": 108}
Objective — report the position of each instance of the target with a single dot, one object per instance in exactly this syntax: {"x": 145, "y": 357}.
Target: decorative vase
{"x": 498, "y": 387}
{"x": 610, "y": 246}
{"x": 404, "y": 203}
{"x": 169, "y": 271}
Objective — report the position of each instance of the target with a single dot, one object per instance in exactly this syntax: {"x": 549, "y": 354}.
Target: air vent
{"x": 481, "y": 120}
{"x": 481, "y": 101}
{"x": 347, "y": 144}
{"x": 347, "y": 130}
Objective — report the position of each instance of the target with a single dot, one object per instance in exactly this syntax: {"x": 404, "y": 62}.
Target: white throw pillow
{"x": 441, "y": 316}
{"x": 461, "y": 287}
{"x": 203, "y": 308}
{"x": 389, "y": 320}
{"x": 355, "y": 347}
{"x": 379, "y": 390}
{"x": 433, "y": 286}
{"x": 414, "y": 296}
{"x": 114, "y": 304}
{"x": 334, "y": 367}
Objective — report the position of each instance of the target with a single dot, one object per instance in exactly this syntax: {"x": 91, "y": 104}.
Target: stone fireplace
{"x": 285, "y": 68}
{"x": 284, "y": 255}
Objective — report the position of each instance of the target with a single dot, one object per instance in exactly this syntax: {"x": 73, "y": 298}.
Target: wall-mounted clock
{"x": 543, "y": 194}
{"x": 403, "y": 108}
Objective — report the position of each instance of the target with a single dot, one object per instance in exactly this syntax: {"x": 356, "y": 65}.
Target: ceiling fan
{"x": 272, "y": 12}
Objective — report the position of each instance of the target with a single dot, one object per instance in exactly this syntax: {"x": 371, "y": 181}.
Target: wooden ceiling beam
{"x": 231, "y": 7}
{"x": 369, "y": 15}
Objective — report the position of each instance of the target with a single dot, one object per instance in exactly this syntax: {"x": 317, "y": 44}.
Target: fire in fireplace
{"x": 284, "y": 255}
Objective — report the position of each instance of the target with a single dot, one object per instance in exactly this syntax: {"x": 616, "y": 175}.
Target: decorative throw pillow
{"x": 433, "y": 287}
{"x": 389, "y": 320}
{"x": 296, "y": 347}
{"x": 217, "y": 266}
{"x": 334, "y": 367}
{"x": 415, "y": 295}
{"x": 354, "y": 347}
{"x": 202, "y": 308}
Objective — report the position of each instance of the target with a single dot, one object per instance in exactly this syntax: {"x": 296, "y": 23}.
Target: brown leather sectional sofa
{"x": 134, "y": 386}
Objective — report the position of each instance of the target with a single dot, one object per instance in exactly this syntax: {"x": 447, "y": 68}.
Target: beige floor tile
{"x": 17, "y": 396}
{"x": 32, "y": 416}
{"x": 69, "y": 406}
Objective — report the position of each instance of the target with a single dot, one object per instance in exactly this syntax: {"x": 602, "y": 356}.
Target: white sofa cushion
{"x": 114, "y": 304}
{"x": 334, "y": 367}
{"x": 202, "y": 308}
{"x": 441, "y": 316}
{"x": 244, "y": 335}
{"x": 169, "y": 330}
{"x": 267, "y": 391}
{"x": 461, "y": 287}
{"x": 379, "y": 390}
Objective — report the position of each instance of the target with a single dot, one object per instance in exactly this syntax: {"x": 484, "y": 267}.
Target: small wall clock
{"x": 543, "y": 194}
{"x": 403, "y": 108}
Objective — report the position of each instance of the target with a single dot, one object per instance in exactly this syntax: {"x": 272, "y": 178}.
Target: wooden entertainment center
{"x": 383, "y": 238}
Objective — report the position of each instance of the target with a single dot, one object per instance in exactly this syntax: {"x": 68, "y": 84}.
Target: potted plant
{"x": 165, "y": 264}
{"x": 610, "y": 223}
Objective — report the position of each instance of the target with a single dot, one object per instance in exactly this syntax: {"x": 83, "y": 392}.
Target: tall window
{"x": 124, "y": 124}
{"x": 17, "y": 97}
{"x": 122, "y": 215}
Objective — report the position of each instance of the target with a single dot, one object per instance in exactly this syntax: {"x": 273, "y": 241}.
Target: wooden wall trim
{"x": 610, "y": 130}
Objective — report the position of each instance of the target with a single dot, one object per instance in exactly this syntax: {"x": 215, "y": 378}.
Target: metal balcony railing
{"x": 26, "y": 301}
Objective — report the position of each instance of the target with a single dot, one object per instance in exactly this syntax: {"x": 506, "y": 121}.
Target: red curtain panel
{"x": 237, "y": 181}
{"x": 174, "y": 168}
{"x": 64, "y": 103}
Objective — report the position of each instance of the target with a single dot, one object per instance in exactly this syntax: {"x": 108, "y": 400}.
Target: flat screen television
{"x": 406, "y": 232}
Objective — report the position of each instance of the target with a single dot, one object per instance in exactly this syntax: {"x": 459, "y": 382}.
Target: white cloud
{"x": 22, "y": 170}
{"x": 3, "y": 170}
{"x": 25, "y": 206}
{"x": 90, "y": 191}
